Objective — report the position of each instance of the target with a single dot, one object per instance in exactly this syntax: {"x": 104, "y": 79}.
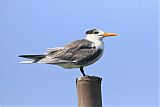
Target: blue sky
{"x": 129, "y": 65}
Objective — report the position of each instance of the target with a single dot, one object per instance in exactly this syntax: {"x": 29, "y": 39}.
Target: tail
{"x": 32, "y": 58}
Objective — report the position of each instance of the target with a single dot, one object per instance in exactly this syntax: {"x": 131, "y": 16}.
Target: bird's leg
{"x": 82, "y": 71}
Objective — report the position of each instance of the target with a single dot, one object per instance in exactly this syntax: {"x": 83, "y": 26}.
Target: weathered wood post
{"x": 89, "y": 91}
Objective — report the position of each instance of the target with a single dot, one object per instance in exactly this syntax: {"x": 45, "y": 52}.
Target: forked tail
{"x": 32, "y": 58}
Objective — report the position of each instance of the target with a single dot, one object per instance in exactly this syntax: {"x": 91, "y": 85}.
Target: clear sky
{"x": 129, "y": 65}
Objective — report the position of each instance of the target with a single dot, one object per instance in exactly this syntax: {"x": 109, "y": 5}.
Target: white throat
{"x": 97, "y": 40}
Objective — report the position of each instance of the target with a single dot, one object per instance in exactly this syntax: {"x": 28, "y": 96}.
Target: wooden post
{"x": 89, "y": 91}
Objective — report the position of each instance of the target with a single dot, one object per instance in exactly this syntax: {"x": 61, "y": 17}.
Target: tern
{"x": 77, "y": 54}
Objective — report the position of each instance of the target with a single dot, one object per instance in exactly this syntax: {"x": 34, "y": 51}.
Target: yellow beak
{"x": 109, "y": 34}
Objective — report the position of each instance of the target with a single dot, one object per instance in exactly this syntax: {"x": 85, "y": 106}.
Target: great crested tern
{"x": 77, "y": 54}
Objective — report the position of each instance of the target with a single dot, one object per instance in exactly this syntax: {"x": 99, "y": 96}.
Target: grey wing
{"x": 86, "y": 56}
{"x": 53, "y": 50}
{"x": 79, "y": 52}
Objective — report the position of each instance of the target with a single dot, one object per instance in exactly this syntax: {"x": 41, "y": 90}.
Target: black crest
{"x": 90, "y": 31}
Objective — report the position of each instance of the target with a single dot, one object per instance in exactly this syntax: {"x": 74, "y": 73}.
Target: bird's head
{"x": 97, "y": 34}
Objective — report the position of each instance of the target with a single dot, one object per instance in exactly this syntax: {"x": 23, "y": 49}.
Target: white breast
{"x": 99, "y": 44}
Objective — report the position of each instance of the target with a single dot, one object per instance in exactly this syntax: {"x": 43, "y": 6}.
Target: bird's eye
{"x": 95, "y": 32}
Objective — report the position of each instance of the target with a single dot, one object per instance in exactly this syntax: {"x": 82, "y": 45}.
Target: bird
{"x": 77, "y": 54}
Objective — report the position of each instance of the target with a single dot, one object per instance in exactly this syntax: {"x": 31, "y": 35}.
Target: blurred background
{"x": 129, "y": 65}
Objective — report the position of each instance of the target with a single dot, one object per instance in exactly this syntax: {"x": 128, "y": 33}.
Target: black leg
{"x": 81, "y": 69}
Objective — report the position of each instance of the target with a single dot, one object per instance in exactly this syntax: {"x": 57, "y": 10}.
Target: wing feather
{"x": 79, "y": 52}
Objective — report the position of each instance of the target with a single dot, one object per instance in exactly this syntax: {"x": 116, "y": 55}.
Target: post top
{"x": 89, "y": 78}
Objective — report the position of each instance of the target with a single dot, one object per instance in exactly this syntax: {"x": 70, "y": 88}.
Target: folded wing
{"x": 79, "y": 52}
